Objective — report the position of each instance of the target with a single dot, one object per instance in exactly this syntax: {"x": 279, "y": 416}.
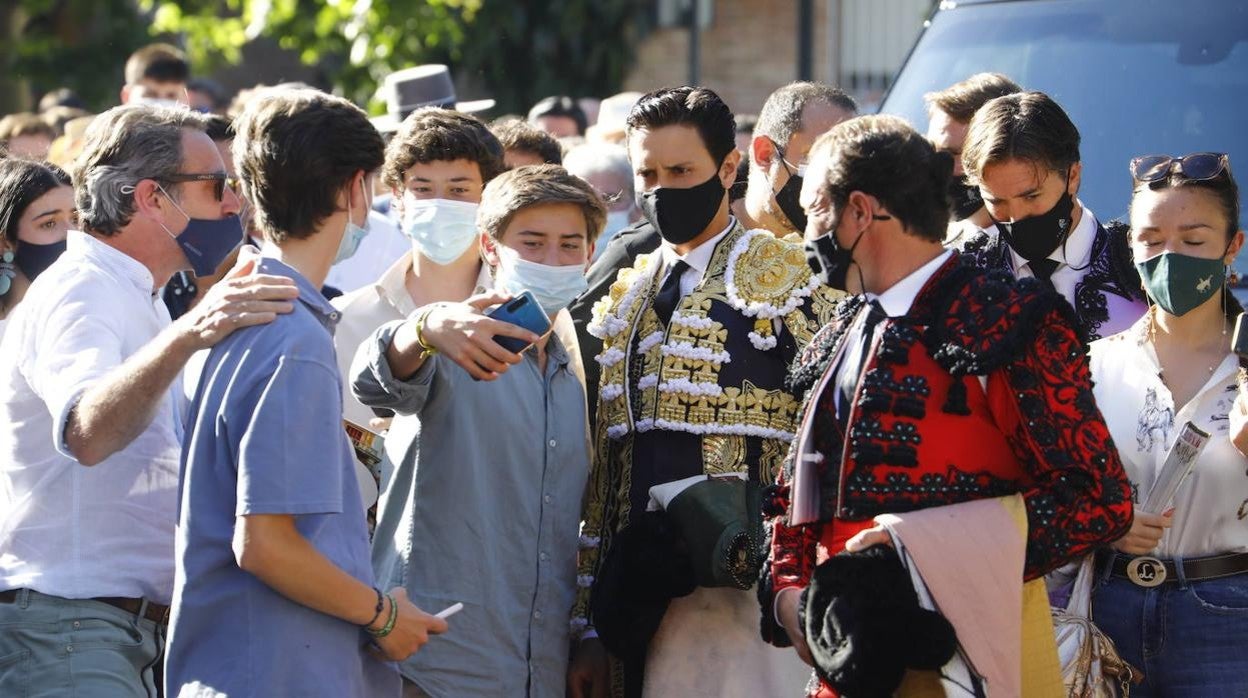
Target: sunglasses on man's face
{"x": 1153, "y": 168}
{"x": 219, "y": 180}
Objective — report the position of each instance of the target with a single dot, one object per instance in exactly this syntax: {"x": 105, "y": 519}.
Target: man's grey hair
{"x": 602, "y": 158}
{"x": 125, "y": 145}
{"x": 781, "y": 116}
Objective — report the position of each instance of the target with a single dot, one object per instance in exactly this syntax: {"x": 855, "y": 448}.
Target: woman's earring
{"x": 7, "y": 272}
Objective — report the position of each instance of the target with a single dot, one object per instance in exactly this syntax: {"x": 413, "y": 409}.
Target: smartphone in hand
{"x": 522, "y": 311}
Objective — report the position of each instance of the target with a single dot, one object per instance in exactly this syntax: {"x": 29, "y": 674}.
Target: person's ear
{"x": 1076, "y": 177}
{"x": 1237, "y": 243}
{"x": 150, "y": 201}
{"x": 762, "y": 150}
{"x": 728, "y": 169}
{"x": 125, "y": 94}
{"x": 589, "y": 253}
{"x": 488, "y": 249}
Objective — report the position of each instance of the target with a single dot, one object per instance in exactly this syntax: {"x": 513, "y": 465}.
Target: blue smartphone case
{"x": 522, "y": 311}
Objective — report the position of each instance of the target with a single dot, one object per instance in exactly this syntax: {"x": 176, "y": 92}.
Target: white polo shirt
{"x": 66, "y": 529}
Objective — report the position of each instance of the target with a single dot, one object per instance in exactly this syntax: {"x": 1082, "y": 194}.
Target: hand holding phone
{"x": 522, "y": 311}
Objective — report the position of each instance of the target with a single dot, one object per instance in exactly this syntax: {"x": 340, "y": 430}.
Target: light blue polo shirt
{"x": 265, "y": 436}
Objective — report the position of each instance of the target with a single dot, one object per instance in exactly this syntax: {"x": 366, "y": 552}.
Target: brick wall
{"x": 749, "y": 50}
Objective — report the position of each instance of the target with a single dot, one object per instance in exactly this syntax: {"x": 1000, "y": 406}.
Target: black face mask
{"x": 828, "y": 260}
{"x": 787, "y": 199}
{"x": 966, "y": 199}
{"x": 681, "y": 215}
{"x": 1035, "y": 238}
{"x": 33, "y": 259}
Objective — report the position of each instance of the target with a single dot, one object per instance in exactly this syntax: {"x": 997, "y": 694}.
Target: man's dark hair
{"x": 885, "y": 157}
{"x": 782, "y": 112}
{"x": 295, "y": 151}
{"x": 23, "y": 181}
{"x": 522, "y": 136}
{"x": 698, "y": 107}
{"x": 561, "y": 105}
{"x": 433, "y": 133}
{"x": 157, "y": 62}
{"x": 220, "y": 128}
{"x": 961, "y": 100}
{"x": 57, "y": 117}
{"x": 61, "y": 97}
{"x": 1026, "y": 126}
{"x": 215, "y": 90}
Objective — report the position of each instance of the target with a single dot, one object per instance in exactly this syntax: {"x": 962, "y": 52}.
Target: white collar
{"x": 1076, "y": 251}
{"x": 393, "y": 283}
{"x": 699, "y": 257}
{"x": 112, "y": 259}
{"x": 897, "y": 300}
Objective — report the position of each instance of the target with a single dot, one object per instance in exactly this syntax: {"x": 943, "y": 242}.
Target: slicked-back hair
{"x": 431, "y": 134}
{"x": 884, "y": 156}
{"x": 516, "y": 134}
{"x": 295, "y": 150}
{"x": 123, "y": 146}
{"x": 532, "y": 185}
{"x": 1027, "y": 126}
{"x": 961, "y": 100}
{"x": 698, "y": 107}
{"x": 158, "y": 62}
{"x": 560, "y": 105}
{"x": 781, "y": 116}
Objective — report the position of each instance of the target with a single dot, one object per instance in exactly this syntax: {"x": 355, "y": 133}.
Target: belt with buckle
{"x": 154, "y": 612}
{"x": 1149, "y": 571}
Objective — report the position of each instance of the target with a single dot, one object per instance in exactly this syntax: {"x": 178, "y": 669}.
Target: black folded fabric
{"x": 644, "y": 568}
{"x": 865, "y": 627}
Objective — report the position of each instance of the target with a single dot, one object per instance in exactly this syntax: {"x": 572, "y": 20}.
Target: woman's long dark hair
{"x": 21, "y": 183}
{"x": 1226, "y": 192}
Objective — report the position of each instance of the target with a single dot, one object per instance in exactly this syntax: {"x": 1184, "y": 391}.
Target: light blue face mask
{"x": 353, "y": 235}
{"x": 442, "y": 230}
{"x": 553, "y": 287}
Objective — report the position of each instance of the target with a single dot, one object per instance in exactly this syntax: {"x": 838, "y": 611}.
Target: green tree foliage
{"x": 516, "y": 51}
{"x": 80, "y": 44}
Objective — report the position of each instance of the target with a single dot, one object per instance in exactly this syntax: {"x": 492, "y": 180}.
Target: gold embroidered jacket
{"x": 708, "y": 389}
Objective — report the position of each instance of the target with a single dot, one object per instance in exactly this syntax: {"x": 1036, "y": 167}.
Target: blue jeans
{"x": 54, "y": 647}
{"x": 1190, "y": 639}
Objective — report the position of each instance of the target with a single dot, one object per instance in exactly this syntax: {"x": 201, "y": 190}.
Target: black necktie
{"x": 855, "y": 360}
{"x": 669, "y": 294}
{"x": 1043, "y": 270}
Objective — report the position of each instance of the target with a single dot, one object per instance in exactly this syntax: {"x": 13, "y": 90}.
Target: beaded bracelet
{"x": 381, "y": 606}
{"x": 389, "y": 626}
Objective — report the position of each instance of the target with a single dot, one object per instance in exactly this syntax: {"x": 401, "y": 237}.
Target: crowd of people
{"x": 296, "y": 402}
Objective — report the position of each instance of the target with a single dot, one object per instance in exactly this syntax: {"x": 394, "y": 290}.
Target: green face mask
{"x": 1179, "y": 283}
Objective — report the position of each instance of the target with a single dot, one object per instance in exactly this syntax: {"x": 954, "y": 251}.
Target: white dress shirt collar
{"x": 699, "y": 258}
{"x": 111, "y": 259}
{"x": 897, "y": 300}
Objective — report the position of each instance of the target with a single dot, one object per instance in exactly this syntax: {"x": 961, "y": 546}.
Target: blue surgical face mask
{"x": 616, "y": 221}
{"x": 442, "y": 230}
{"x": 206, "y": 243}
{"x": 352, "y": 236}
{"x": 554, "y": 287}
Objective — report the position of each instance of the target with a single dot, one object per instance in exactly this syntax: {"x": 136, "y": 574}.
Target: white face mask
{"x": 442, "y": 230}
{"x": 554, "y": 287}
{"x": 616, "y": 221}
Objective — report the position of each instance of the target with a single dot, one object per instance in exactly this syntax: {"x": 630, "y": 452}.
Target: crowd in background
{"x": 631, "y": 396}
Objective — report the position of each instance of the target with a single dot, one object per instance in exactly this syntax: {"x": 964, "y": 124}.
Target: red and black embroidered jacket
{"x": 981, "y": 390}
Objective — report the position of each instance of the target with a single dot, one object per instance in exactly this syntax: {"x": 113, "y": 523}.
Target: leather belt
{"x": 1148, "y": 571}
{"x": 155, "y": 612}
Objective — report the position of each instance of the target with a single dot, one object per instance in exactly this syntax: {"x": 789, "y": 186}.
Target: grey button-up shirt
{"x": 483, "y": 508}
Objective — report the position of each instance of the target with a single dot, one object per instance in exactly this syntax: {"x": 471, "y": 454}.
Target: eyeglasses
{"x": 220, "y": 179}
{"x": 1152, "y": 168}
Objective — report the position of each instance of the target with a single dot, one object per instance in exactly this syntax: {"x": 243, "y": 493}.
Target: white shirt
{"x": 383, "y": 245}
{"x": 1211, "y": 507}
{"x": 698, "y": 259}
{"x": 65, "y": 529}
{"x": 1073, "y": 257}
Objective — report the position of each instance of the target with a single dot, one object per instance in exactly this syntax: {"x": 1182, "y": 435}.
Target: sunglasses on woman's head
{"x": 1153, "y": 168}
